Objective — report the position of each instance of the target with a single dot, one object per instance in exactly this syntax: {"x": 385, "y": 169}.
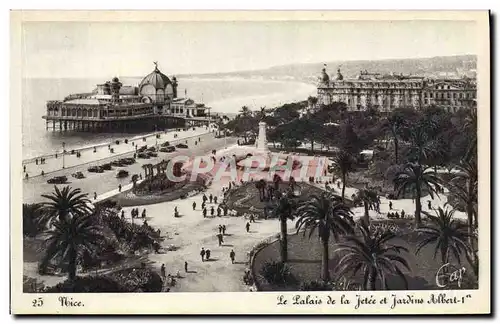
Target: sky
{"x": 102, "y": 49}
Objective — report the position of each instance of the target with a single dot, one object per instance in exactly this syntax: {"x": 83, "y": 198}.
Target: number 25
{"x": 38, "y": 302}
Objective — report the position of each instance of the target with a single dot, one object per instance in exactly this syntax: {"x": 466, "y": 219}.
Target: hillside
{"x": 434, "y": 66}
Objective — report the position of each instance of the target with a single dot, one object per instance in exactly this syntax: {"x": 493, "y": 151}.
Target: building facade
{"x": 388, "y": 92}
{"x": 152, "y": 102}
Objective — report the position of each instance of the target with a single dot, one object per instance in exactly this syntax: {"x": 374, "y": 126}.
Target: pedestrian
{"x": 24, "y": 169}
{"x": 225, "y": 210}
{"x": 162, "y": 271}
{"x": 429, "y": 206}
{"x": 219, "y": 211}
{"x": 204, "y": 212}
{"x": 212, "y": 211}
{"x": 402, "y": 213}
{"x": 248, "y": 227}
{"x": 220, "y": 229}
{"x": 252, "y": 219}
{"x": 176, "y": 212}
{"x": 140, "y": 176}
{"x": 42, "y": 173}
{"x": 207, "y": 253}
{"x": 203, "y": 204}
{"x": 185, "y": 266}
{"x": 397, "y": 215}
{"x": 145, "y": 224}
{"x": 119, "y": 188}
{"x": 202, "y": 253}
{"x": 390, "y": 205}
{"x": 123, "y": 213}
{"x": 36, "y": 161}
{"x": 204, "y": 198}
{"x": 232, "y": 255}
{"x": 194, "y": 205}
{"x": 211, "y": 198}
{"x": 219, "y": 239}
{"x": 215, "y": 199}
{"x": 223, "y": 229}
{"x": 144, "y": 213}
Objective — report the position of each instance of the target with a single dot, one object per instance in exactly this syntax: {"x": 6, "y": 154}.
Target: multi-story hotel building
{"x": 388, "y": 92}
{"x": 112, "y": 106}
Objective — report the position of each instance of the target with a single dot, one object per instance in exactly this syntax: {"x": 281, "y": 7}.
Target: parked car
{"x": 58, "y": 180}
{"x": 78, "y": 175}
{"x": 153, "y": 154}
{"x": 127, "y": 161}
{"x": 106, "y": 166}
{"x": 96, "y": 169}
{"x": 152, "y": 149}
{"x": 167, "y": 143}
{"x": 122, "y": 174}
{"x": 143, "y": 156}
{"x": 117, "y": 163}
{"x": 181, "y": 145}
{"x": 142, "y": 149}
{"x": 168, "y": 149}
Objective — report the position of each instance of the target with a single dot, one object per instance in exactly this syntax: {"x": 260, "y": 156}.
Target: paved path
{"x": 107, "y": 182}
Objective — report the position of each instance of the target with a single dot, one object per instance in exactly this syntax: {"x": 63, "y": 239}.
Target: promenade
{"x": 107, "y": 182}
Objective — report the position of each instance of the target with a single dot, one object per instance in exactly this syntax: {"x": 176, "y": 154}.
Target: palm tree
{"x": 448, "y": 235}
{"x": 368, "y": 198}
{"x": 329, "y": 215}
{"x": 393, "y": 125}
{"x": 245, "y": 111}
{"x": 284, "y": 211}
{"x": 422, "y": 147}
{"x": 464, "y": 186}
{"x": 261, "y": 186}
{"x": 344, "y": 163}
{"x": 416, "y": 177}
{"x": 373, "y": 255}
{"x": 63, "y": 204}
{"x": 69, "y": 238}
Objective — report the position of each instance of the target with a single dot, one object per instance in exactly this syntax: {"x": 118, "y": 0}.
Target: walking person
{"x": 215, "y": 199}
{"x": 194, "y": 205}
{"x": 185, "y": 266}
{"x": 119, "y": 188}
{"x": 232, "y": 255}
{"x": 219, "y": 239}
{"x": 429, "y": 205}
{"x": 220, "y": 229}
{"x": 204, "y": 198}
{"x": 390, "y": 205}
{"x": 212, "y": 211}
{"x": 248, "y": 227}
{"x": 162, "y": 271}
{"x": 219, "y": 211}
{"x": 223, "y": 229}
{"x": 204, "y": 212}
{"x": 203, "y": 204}
{"x": 95, "y": 195}
{"x": 202, "y": 253}
{"x": 210, "y": 198}
{"x": 207, "y": 254}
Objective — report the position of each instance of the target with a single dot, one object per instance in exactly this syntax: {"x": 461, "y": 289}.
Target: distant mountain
{"x": 433, "y": 67}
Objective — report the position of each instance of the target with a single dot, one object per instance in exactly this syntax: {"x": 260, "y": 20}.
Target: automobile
{"x": 143, "y": 156}
{"x": 96, "y": 169}
{"x": 152, "y": 149}
{"x": 106, "y": 166}
{"x": 153, "y": 154}
{"x": 167, "y": 143}
{"x": 78, "y": 175}
{"x": 181, "y": 145}
{"x": 122, "y": 174}
{"x": 142, "y": 149}
{"x": 117, "y": 163}
{"x": 58, "y": 180}
{"x": 127, "y": 161}
{"x": 168, "y": 149}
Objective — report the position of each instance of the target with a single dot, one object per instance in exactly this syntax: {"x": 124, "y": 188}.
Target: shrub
{"x": 87, "y": 285}
{"x": 31, "y": 226}
{"x": 138, "y": 279}
{"x": 316, "y": 285}
{"x": 277, "y": 273}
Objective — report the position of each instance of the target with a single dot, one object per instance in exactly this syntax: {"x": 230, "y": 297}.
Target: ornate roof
{"x": 156, "y": 79}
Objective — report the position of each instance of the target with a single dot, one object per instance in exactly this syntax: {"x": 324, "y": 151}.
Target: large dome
{"x": 157, "y": 79}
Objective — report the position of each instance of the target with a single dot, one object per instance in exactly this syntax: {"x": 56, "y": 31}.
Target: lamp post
{"x": 63, "y": 152}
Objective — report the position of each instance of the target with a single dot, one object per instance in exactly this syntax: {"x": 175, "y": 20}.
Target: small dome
{"x": 156, "y": 79}
{"x": 324, "y": 76}
{"x": 115, "y": 79}
{"x": 339, "y": 76}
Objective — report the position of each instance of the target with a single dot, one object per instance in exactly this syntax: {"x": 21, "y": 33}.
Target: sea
{"x": 226, "y": 95}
